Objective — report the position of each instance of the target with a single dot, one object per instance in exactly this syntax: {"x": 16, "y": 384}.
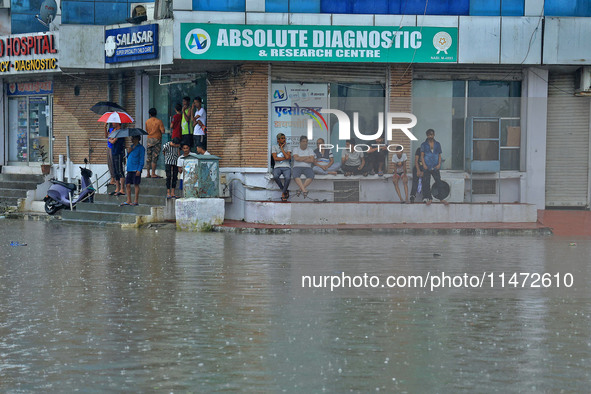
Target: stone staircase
{"x": 15, "y": 186}
{"x": 106, "y": 210}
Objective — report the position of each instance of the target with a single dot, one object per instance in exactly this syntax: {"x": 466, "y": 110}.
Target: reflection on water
{"x": 139, "y": 310}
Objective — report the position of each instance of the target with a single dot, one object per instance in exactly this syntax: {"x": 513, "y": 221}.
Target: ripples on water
{"x": 105, "y": 309}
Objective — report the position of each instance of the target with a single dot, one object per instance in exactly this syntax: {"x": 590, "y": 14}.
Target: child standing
{"x": 399, "y": 159}
{"x": 171, "y": 156}
{"x": 136, "y": 154}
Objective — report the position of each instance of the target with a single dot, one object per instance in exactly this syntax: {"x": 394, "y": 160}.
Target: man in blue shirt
{"x": 431, "y": 159}
{"x": 136, "y": 154}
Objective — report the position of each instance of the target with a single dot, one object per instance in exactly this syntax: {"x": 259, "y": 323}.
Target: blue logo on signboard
{"x": 131, "y": 44}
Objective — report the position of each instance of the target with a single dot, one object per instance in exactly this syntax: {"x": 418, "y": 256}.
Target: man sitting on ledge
{"x": 282, "y": 157}
{"x": 304, "y": 158}
{"x": 324, "y": 163}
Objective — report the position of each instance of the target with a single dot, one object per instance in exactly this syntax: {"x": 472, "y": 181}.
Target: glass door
{"x": 30, "y": 129}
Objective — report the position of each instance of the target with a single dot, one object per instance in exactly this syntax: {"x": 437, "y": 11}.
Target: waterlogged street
{"x": 106, "y": 309}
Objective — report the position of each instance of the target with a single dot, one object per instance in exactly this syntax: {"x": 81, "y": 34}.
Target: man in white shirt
{"x": 304, "y": 159}
{"x": 199, "y": 118}
{"x": 187, "y": 155}
{"x": 201, "y": 151}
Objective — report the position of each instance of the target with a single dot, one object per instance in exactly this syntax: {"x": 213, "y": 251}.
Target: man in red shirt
{"x": 175, "y": 125}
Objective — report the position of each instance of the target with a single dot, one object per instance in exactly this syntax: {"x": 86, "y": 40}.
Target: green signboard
{"x": 319, "y": 43}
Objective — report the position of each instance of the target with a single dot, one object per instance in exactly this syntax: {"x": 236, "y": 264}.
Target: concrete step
{"x": 147, "y": 190}
{"x": 19, "y": 185}
{"x": 22, "y": 178}
{"x": 98, "y": 217}
{"x": 9, "y": 201}
{"x": 20, "y": 193}
{"x": 114, "y": 208}
{"x": 143, "y": 199}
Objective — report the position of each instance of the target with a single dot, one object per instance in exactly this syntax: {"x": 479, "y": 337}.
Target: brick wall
{"x": 72, "y": 115}
{"x": 401, "y": 101}
{"x": 237, "y": 113}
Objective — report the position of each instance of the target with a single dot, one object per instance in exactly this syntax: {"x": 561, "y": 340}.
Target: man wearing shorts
{"x": 155, "y": 128}
{"x": 136, "y": 154}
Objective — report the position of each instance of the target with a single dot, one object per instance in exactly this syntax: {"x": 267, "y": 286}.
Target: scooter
{"x": 61, "y": 194}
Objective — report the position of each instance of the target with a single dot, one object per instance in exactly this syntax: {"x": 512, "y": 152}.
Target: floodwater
{"x": 105, "y": 309}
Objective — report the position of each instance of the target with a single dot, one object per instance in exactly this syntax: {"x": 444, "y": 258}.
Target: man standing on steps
{"x": 155, "y": 128}
{"x": 136, "y": 154}
{"x": 199, "y": 118}
{"x": 186, "y": 117}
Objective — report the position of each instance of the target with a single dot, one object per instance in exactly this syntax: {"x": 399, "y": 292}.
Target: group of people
{"x": 188, "y": 129}
{"x": 308, "y": 162}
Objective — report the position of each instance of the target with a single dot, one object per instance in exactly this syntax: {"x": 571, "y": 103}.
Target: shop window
{"x": 304, "y": 6}
{"x": 567, "y": 8}
{"x": 29, "y": 128}
{"x": 291, "y": 104}
{"x": 77, "y": 12}
{"x": 26, "y": 23}
{"x": 107, "y": 13}
{"x": 473, "y": 120}
{"x": 438, "y": 7}
{"x": 497, "y": 7}
{"x": 165, "y": 97}
{"x": 219, "y": 5}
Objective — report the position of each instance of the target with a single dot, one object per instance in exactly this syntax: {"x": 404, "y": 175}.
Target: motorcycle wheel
{"x": 51, "y": 207}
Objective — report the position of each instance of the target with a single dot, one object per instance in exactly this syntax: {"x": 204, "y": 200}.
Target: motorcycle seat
{"x": 69, "y": 186}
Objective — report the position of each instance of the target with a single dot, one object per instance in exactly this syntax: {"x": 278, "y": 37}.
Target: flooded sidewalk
{"x": 155, "y": 309}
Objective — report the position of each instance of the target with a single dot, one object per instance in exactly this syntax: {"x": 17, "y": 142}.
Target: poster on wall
{"x": 292, "y": 105}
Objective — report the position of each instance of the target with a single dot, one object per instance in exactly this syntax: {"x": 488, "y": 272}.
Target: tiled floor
{"x": 567, "y": 223}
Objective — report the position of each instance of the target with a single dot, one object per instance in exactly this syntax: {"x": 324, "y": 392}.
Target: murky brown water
{"x": 105, "y": 309}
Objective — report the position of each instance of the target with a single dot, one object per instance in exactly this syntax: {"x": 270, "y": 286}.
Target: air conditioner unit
{"x": 162, "y": 9}
{"x": 141, "y": 9}
{"x": 4, "y": 3}
{"x": 583, "y": 82}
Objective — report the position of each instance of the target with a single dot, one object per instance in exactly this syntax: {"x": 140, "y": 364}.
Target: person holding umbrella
{"x": 101, "y": 108}
{"x": 117, "y": 148}
{"x": 136, "y": 154}
{"x": 118, "y": 145}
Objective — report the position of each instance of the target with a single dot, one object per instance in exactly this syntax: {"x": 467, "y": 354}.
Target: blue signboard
{"x": 131, "y": 44}
{"x": 29, "y": 88}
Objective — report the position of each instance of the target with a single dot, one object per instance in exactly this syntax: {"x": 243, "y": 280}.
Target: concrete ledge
{"x": 385, "y": 213}
{"x": 199, "y": 214}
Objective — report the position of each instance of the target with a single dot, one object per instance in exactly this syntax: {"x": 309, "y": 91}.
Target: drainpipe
{"x": 120, "y": 89}
{"x": 68, "y": 161}
{"x": 109, "y": 98}
{"x": 60, "y": 168}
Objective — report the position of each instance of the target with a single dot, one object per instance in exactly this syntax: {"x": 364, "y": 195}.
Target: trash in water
{"x": 436, "y": 254}
{"x": 14, "y": 243}
{"x": 572, "y": 244}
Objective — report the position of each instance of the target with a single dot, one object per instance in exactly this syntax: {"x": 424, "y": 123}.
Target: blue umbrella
{"x": 127, "y": 133}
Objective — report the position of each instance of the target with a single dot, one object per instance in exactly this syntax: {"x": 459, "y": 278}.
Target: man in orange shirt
{"x": 155, "y": 128}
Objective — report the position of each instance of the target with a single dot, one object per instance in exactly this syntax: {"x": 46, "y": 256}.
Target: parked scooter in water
{"x": 61, "y": 195}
